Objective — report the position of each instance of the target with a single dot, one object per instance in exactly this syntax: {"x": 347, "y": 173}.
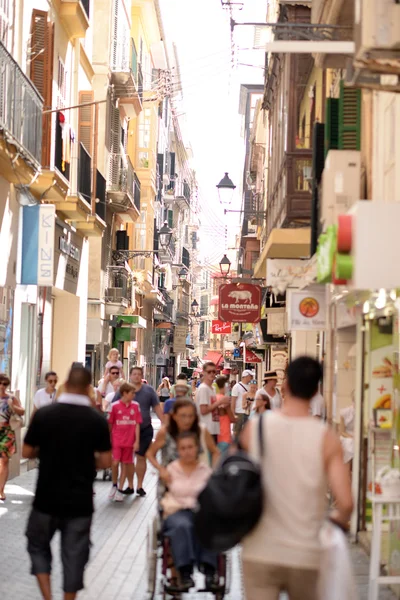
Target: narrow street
{"x": 117, "y": 569}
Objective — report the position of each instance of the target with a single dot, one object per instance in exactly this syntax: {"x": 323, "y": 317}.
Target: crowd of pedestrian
{"x": 201, "y": 420}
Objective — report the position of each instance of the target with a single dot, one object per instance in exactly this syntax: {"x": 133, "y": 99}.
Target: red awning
{"x": 215, "y": 357}
{"x": 251, "y": 357}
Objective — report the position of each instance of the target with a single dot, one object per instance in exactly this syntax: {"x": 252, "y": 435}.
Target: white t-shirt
{"x": 275, "y": 401}
{"x": 105, "y": 389}
{"x": 237, "y": 391}
{"x": 206, "y": 395}
{"x": 42, "y": 398}
{"x": 317, "y": 406}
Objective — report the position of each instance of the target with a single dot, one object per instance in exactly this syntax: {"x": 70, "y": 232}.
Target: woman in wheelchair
{"x": 185, "y": 478}
{"x": 183, "y": 418}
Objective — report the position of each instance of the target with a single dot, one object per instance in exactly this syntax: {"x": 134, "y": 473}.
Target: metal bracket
{"x": 124, "y": 255}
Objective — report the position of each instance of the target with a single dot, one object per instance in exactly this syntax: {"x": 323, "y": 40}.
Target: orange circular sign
{"x": 309, "y": 307}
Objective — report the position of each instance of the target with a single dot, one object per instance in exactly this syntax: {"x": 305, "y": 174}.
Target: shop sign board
{"x": 220, "y": 327}
{"x": 307, "y": 310}
{"x": 161, "y": 360}
{"x": 38, "y": 226}
{"x": 283, "y": 273}
{"x": 239, "y": 303}
{"x": 180, "y": 334}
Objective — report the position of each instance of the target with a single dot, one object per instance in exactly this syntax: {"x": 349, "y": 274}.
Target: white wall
{"x": 386, "y": 147}
{"x": 304, "y": 343}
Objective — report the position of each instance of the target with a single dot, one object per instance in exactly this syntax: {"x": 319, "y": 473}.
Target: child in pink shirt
{"x": 124, "y": 423}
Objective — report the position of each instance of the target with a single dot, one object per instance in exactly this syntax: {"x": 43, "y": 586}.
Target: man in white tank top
{"x": 301, "y": 457}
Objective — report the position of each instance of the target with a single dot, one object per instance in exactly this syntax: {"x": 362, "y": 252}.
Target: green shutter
{"x": 170, "y": 218}
{"x": 349, "y": 118}
{"x": 331, "y": 125}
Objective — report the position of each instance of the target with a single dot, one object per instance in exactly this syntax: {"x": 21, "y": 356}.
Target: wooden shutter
{"x": 85, "y": 123}
{"x": 349, "y": 118}
{"x": 41, "y": 71}
{"x": 170, "y": 218}
{"x": 331, "y": 125}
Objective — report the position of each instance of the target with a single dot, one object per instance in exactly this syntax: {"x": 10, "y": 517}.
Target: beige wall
{"x": 65, "y": 332}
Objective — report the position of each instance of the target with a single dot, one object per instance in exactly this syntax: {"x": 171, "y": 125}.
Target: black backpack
{"x": 231, "y": 504}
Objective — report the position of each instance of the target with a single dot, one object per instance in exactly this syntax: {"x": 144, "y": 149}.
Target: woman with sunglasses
{"x": 9, "y": 406}
{"x": 46, "y": 395}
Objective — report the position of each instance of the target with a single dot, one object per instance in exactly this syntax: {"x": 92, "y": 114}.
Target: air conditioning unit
{"x": 377, "y": 33}
{"x": 341, "y": 181}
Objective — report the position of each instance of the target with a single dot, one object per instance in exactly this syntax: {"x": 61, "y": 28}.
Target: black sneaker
{"x": 140, "y": 492}
{"x": 128, "y": 491}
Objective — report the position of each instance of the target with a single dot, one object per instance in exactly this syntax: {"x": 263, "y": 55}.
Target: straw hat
{"x": 270, "y": 375}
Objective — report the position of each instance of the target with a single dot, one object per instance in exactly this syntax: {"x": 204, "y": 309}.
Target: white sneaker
{"x": 112, "y": 493}
{"x": 119, "y": 496}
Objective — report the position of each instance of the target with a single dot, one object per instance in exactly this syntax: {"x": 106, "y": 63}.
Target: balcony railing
{"x": 126, "y": 73}
{"x": 140, "y": 82}
{"x": 169, "y": 303}
{"x": 118, "y": 285}
{"x": 290, "y": 201}
{"x": 85, "y": 174}
{"x": 20, "y": 108}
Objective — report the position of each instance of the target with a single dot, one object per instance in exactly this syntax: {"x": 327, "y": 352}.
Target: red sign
{"x": 239, "y": 303}
{"x": 251, "y": 357}
{"x": 220, "y": 327}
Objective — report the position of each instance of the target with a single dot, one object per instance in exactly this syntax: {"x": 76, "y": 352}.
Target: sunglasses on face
{"x": 211, "y": 371}
{"x": 114, "y": 372}
{"x": 5, "y": 383}
{"x": 52, "y": 381}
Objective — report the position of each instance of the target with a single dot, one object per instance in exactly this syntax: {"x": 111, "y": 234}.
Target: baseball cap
{"x": 246, "y": 373}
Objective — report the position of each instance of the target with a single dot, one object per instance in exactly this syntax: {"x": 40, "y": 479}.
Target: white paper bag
{"x": 336, "y": 576}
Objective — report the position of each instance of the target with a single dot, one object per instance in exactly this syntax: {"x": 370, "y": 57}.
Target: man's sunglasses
{"x": 114, "y": 372}
{"x": 52, "y": 381}
{"x": 6, "y": 383}
{"x": 211, "y": 371}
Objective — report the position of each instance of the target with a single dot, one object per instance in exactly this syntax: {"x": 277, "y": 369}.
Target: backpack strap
{"x": 260, "y": 435}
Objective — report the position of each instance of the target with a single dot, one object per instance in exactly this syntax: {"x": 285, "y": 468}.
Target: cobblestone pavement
{"x": 117, "y": 568}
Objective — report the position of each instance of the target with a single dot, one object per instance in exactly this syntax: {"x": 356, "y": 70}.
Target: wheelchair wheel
{"x": 152, "y": 558}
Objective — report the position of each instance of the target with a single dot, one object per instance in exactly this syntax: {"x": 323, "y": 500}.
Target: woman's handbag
{"x": 16, "y": 421}
{"x": 231, "y": 504}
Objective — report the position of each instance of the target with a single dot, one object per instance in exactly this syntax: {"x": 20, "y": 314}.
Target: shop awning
{"x": 215, "y": 357}
{"x": 284, "y": 243}
{"x": 252, "y": 357}
{"x": 131, "y": 321}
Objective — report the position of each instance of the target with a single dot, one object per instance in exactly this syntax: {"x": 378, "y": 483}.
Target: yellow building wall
{"x": 315, "y": 79}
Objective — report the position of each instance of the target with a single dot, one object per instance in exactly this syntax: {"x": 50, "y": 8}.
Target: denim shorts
{"x": 75, "y": 546}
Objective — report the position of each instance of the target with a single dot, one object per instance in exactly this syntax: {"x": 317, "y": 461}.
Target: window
{"x": 4, "y": 21}
{"x": 61, "y": 85}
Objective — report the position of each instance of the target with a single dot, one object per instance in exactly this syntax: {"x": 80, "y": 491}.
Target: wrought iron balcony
{"x": 20, "y": 110}
{"x": 118, "y": 286}
{"x": 290, "y": 201}
{"x": 126, "y": 76}
{"x": 123, "y": 186}
{"x": 178, "y": 191}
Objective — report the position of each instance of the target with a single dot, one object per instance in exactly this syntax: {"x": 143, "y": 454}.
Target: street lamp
{"x": 226, "y": 187}
{"x": 182, "y": 274}
{"x": 165, "y": 235}
{"x": 225, "y": 266}
{"x": 194, "y": 306}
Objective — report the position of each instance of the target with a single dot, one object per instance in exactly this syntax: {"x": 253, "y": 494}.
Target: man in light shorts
{"x": 72, "y": 439}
